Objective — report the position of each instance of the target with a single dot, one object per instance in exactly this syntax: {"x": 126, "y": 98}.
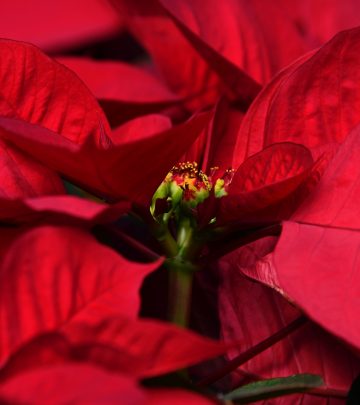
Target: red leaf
{"x": 251, "y": 35}
{"x": 22, "y": 176}
{"x": 54, "y": 26}
{"x": 41, "y": 91}
{"x": 313, "y": 102}
{"x": 320, "y": 275}
{"x": 62, "y": 275}
{"x": 156, "y": 347}
{"x": 137, "y": 348}
{"x": 72, "y": 383}
{"x": 186, "y": 72}
{"x": 176, "y": 397}
{"x": 124, "y": 91}
{"x": 123, "y": 168}
{"x": 319, "y": 20}
{"x": 252, "y": 312}
{"x": 53, "y": 351}
{"x": 250, "y": 42}
{"x": 87, "y": 384}
{"x": 61, "y": 210}
{"x": 265, "y": 180}
{"x": 334, "y": 201}
{"x": 215, "y": 145}
{"x": 316, "y": 261}
{"x": 110, "y": 80}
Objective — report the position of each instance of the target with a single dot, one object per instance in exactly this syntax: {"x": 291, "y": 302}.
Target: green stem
{"x": 180, "y": 295}
{"x": 181, "y": 276}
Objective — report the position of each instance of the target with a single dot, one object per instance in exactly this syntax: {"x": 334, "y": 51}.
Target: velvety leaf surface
{"x": 119, "y": 81}
{"x": 334, "y": 201}
{"x": 80, "y": 384}
{"x": 61, "y": 210}
{"x": 265, "y": 179}
{"x": 62, "y": 275}
{"x": 41, "y": 91}
{"x": 137, "y": 348}
{"x": 251, "y": 312}
{"x": 251, "y": 38}
{"x": 54, "y": 350}
{"x": 313, "y": 102}
{"x": 155, "y": 346}
{"x": 124, "y": 91}
{"x": 317, "y": 21}
{"x": 214, "y": 148}
{"x": 324, "y": 263}
{"x": 252, "y": 35}
{"x": 316, "y": 259}
{"x": 87, "y": 384}
{"x": 123, "y": 168}
{"x": 185, "y": 72}
{"x": 22, "y": 176}
{"x": 55, "y": 26}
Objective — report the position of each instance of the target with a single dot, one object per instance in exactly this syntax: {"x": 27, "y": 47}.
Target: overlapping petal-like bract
{"x": 77, "y": 301}
{"x": 252, "y": 312}
{"x": 63, "y": 127}
{"x": 312, "y": 102}
{"x": 62, "y": 275}
{"x": 57, "y": 26}
{"x": 314, "y": 263}
{"x": 124, "y": 91}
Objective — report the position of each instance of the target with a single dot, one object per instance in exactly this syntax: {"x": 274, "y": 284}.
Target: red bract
{"x": 124, "y": 91}
{"x": 314, "y": 263}
{"x": 62, "y": 275}
{"x": 21, "y": 176}
{"x": 86, "y": 384}
{"x": 54, "y": 26}
{"x": 64, "y": 127}
{"x": 252, "y": 312}
{"x": 41, "y": 91}
{"x": 313, "y": 102}
{"x": 59, "y": 210}
{"x": 228, "y": 46}
{"x": 324, "y": 239}
{"x": 186, "y": 71}
{"x": 319, "y": 20}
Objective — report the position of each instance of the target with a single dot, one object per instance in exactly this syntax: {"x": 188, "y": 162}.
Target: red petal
{"x": 72, "y": 383}
{"x": 61, "y": 210}
{"x": 22, "y": 176}
{"x": 176, "y": 397}
{"x": 62, "y": 275}
{"x": 216, "y": 144}
{"x": 124, "y": 168}
{"x": 85, "y": 384}
{"x": 251, "y": 38}
{"x": 319, "y": 20}
{"x": 124, "y": 91}
{"x": 156, "y": 347}
{"x": 252, "y": 312}
{"x": 264, "y": 180}
{"x": 41, "y": 91}
{"x": 321, "y": 275}
{"x": 313, "y": 102}
{"x": 334, "y": 202}
{"x": 137, "y": 348}
{"x": 54, "y": 26}
{"x": 119, "y": 81}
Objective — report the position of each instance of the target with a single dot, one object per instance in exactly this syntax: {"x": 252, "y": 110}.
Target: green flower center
{"x": 186, "y": 186}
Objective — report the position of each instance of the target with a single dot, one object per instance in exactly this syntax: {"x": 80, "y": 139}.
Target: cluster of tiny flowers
{"x": 187, "y": 186}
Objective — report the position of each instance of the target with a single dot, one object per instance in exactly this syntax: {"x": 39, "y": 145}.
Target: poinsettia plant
{"x": 190, "y": 193}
